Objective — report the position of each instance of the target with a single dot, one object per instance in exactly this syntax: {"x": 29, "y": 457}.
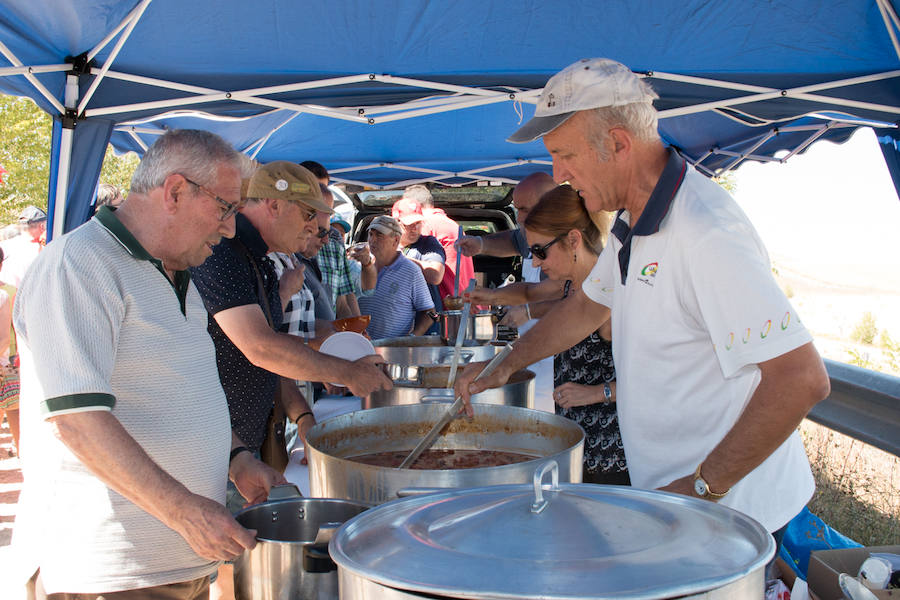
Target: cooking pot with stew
{"x": 290, "y": 559}
{"x": 554, "y": 541}
{"x": 496, "y": 432}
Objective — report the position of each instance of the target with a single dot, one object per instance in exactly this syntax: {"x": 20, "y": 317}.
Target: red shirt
{"x": 446, "y": 230}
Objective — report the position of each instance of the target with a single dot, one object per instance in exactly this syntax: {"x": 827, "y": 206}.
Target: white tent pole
{"x": 798, "y": 92}
{"x": 64, "y": 160}
{"x": 809, "y": 141}
{"x": 695, "y": 108}
{"x": 212, "y": 95}
{"x": 131, "y": 15}
{"x": 353, "y": 181}
{"x": 137, "y": 139}
{"x": 434, "y": 85}
{"x": 733, "y": 164}
{"x": 9, "y": 71}
{"x": 144, "y": 130}
{"x": 750, "y": 156}
{"x": 439, "y": 109}
{"x": 704, "y": 81}
{"x": 851, "y": 103}
{"x": 887, "y": 9}
{"x": 262, "y": 141}
{"x": 32, "y": 79}
{"x": 112, "y": 55}
{"x": 358, "y": 168}
{"x": 306, "y": 108}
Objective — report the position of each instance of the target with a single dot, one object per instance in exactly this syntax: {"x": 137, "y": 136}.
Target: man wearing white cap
{"x": 715, "y": 370}
{"x": 400, "y": 304}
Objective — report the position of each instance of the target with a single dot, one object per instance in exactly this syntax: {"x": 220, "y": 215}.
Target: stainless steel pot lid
{"x": 557, "y": 541}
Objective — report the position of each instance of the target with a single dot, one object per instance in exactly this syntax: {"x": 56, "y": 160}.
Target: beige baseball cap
{"x": 386, "y": 225}
{"x": 589, "y": 83}
{"x": 288, "y": 181}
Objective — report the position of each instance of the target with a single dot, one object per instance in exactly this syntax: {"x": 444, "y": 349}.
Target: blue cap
{"x": 336, "y": 220}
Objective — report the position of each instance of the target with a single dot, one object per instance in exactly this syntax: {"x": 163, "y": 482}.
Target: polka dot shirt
{"x": 226, "y": 280}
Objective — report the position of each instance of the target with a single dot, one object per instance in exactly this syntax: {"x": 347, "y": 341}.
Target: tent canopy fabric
{"x": 384, "y": 93}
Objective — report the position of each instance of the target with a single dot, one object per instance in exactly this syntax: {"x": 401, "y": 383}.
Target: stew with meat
{"x": 444, "y": 459}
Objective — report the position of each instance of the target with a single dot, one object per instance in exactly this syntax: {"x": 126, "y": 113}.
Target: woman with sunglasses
{"x": 565, "y": 242}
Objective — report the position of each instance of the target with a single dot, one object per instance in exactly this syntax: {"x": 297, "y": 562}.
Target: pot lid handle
{"x": 539, "y": 503}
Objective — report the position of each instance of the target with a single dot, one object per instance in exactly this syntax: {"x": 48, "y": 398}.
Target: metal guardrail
{"x": 863, "y": 404}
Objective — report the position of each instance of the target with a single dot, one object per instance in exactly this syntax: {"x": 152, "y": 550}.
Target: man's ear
{"x": 274, "y": 207}
{"x": 621, "y": 142}
{"x": 174, "y": 189}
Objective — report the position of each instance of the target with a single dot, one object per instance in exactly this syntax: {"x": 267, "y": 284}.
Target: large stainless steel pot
{"x": 554, "y": 542}
{"x": 291, "y": 559}
{"x": 418, "y": 360}
{"x": 480, "y": 327}
{"x": 429, "y": 387}
{"x": 508, "y": 428}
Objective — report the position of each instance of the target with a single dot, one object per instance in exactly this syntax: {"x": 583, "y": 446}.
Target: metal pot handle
{"x": 284, "y": 490}
{"x": 446, "y": 356}
{"x": 420, "y": 491}
{"x": 442, "y": 399}
{"x": 539, "y": 503}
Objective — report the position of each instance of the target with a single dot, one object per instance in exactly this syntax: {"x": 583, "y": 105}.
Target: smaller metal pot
{"x": 428, "y": 387}
{"x": 481, "y": 326}
{"x": 291, "y": 558}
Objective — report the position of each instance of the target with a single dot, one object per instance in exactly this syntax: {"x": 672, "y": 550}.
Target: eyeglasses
{"x": 541, "y": 251}
{"x": 228, "y": 209}
{"x": 309, "y": 214}
{"x": 321, "y": 233}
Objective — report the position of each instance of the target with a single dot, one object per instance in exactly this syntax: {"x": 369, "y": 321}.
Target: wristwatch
{"x": 701, "y": 488}
{"x": 607, "y": 392}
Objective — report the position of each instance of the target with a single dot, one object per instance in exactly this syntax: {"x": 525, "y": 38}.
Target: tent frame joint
{"x": 81, "y": 64}
{"x": 69, "y": 119}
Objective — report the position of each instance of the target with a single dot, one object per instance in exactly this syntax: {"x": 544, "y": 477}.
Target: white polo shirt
{"x": 101, "y": 328}
{"x": 694, "y": 309}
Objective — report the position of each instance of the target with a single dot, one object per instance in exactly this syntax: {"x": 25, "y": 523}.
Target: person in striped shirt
{"x": 401, "y": 304}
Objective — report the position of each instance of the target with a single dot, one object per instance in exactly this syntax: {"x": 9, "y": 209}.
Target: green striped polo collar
{"x": 107, "y": 218}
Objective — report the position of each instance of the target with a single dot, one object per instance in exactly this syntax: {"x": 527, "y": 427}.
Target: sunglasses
{"x": 227, "y": 209}
{"x": 321, "y": 233}
{"x": 541, "y": 251}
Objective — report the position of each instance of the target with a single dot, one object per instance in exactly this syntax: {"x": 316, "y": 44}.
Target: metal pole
{"x": 65, "y": 160}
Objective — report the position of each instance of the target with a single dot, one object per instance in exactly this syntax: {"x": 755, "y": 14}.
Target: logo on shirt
{"x": 648, "y": 273}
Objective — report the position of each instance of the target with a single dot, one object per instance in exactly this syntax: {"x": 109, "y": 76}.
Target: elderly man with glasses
{"x": 240, "y": 288}
{"x": 126, "y": 427}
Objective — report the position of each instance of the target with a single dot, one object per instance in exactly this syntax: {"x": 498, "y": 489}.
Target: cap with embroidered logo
{"x": 589, "y": 83}
{"x": 285, "y": 180}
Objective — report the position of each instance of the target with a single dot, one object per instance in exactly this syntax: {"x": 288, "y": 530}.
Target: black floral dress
{"x": 590, "y": 362}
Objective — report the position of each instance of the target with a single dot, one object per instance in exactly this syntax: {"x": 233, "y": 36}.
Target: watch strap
{"x": 237, "y": 451}
{"x": 709, "y": 493}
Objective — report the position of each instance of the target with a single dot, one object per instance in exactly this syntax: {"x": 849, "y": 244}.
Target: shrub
{"x": 865, "y": 331}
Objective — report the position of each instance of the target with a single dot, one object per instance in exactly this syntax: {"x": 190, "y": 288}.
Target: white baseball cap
{"x": 589, "y": 83}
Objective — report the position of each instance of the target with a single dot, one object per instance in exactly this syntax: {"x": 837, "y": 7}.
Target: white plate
{"x": 348, "y": 345}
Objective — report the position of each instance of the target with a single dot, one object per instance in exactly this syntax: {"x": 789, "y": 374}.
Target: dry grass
{"x": 857, "y": 486}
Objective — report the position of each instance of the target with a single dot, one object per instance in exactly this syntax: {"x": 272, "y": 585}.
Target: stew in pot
{"x": 444, "y": 459}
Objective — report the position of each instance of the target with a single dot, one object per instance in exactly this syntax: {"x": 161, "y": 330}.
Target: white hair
{"x": 639, "y": 119}
{"x": 194, "y": 153}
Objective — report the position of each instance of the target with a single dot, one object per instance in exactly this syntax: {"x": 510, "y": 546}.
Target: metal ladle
{"x": 451, "y": 413}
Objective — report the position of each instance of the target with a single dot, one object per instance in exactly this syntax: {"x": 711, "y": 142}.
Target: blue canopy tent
{"x": 389, "y": 92}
